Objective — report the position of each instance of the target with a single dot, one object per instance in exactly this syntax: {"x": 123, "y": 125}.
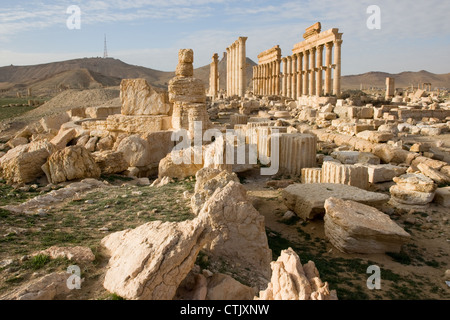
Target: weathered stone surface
{"x": 14, "y": 142}
{"x": 185, "y": 63}
{"x": 135, "y": 151}
{"x": 241, "y": 237}
{"x": 384, "y": 172}
{"x": 435, "y": 175}
{"x": 292, "y": 281}
{"x": 23, "y": 163}
{"x": 223, "y": 287}
{"x": 63, "y": 138}
{"x": 50, "y": 287}
{"x": 187, "y": 90}
{"x": 357, "y": 228}
{"x": 415, "y": 182}
{"x": 136, "y": 124}
{"x": 140, "y": 98}
{"x": 102, "y": 112}
{"x": 105, "y": 143}
{"x": 150, "y": 262}
{"x": 368, "y": 158}
{"x": 207, "y": 181}
{"x": 375, "y": 136}
{"x": 110, "y": 161}
{"x": 346, "y": 157}
{"x": 307, "y": 200}
{"x": 54, "y": 122}
{"x": 297, "y": 151}
{"x": 91, "y": 144}
{"x": 70, "y": 163}
{"x": 443, "y": 197}
{"x": 311, "y": 175}
{"x": 76, "y": 254}
{"x": 435, "y": 164}
{"x": 410, "y": 197}
{"x": 413, "y": 189}
{"x": 352, "y": 175}
{"x": 169, "y": 168}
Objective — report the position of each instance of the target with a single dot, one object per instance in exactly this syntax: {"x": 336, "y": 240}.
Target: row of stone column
{"x": 302, "y": 73}
{"x": 266, "y": 78}
{"x": 236, "y": 68}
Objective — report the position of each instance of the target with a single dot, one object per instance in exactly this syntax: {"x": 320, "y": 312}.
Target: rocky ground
{"x": 85, "y": 218}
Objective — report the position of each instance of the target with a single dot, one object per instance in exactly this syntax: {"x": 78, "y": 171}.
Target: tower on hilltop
{"x": 105, "y": 50}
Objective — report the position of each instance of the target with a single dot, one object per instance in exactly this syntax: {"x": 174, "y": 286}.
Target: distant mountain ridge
{"x": 99, "y": 72}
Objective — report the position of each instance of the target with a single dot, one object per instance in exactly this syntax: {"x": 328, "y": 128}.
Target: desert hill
{"x": 49, "y": 79}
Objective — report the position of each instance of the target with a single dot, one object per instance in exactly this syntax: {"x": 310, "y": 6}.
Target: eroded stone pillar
{"x": 305, "y": 73}
{"x": 299, "y": 75}
{"x": 337, "y": 69}
{"x": 319, "y": 70}
{"x": 277, "y": 77}
{"x": 312, "y": 66}
{"x": 228, "y": 72}
{"x": 242, "y": 67}
{"x": 289, "y": 77}
{"x": 294, "y": 77}
{"x": 329, "y": 47}
{"x": 214, "y": 76}
{"x": 284, "y": 79}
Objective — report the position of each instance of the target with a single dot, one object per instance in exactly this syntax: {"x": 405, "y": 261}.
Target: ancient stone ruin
{"x": 289, "y": 169}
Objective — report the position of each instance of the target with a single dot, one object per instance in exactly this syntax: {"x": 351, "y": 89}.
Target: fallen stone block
{"x": 357, "y": 228}
{"x": 307, "y": 200}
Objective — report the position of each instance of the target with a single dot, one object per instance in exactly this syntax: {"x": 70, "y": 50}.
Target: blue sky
{"x": 414, "y": 35}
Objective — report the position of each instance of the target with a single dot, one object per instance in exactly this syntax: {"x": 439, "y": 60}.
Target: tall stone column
{"x": 294, "y": 77}
{"x": 259, "y": 80}
{"x": 277, "y": 77}
{"x": 242, "y": 66}
{"x": 254, "y": 79}
{"x": 284, "y": 79}
{"x": 214, "y": 76}
{"x": 312, "y": 67}
{"x": 265, "y": 74}
{"x": 270, "y": 65}
{"x": 236, "y": 68}
{"x": 305, "y": 73}
{"x": 319, "y": 78}
{"x": 228, "y": 72}
{"x": 337, "y": 69}
{"x": 232, "y": 66}
{"x": 272, "y": 78}
{"x": 289, "y": 77}
{"x": 299, "y": 75}
{"x": 329, "y": 47}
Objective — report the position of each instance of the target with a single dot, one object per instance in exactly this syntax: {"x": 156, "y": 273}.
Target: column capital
{"x": 329, "y": 45}
{"x": 289, "y": 58}
{"x": 338, "y": 42}
{"x": 284, "y": 59}
{"x": 242, "y": 40}
{"x": 312, "y": 50}
{"x": 320, "y": 47}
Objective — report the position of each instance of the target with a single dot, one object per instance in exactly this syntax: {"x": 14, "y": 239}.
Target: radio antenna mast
{"x": 105, "y": 52}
